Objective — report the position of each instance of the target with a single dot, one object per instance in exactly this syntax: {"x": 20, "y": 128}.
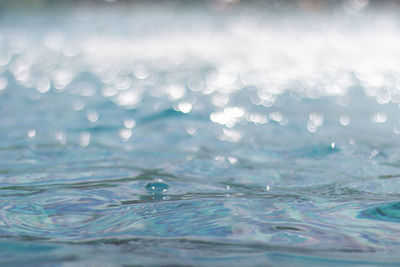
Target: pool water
{"x": 197, "y": 136}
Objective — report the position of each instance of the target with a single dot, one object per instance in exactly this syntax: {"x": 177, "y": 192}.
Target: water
{"x": 197, "y": 136}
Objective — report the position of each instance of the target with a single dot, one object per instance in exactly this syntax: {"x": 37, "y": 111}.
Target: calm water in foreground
{"x": 184, "y": 136}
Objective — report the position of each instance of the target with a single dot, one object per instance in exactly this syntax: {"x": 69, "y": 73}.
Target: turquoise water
{"x": 190, "y": 136}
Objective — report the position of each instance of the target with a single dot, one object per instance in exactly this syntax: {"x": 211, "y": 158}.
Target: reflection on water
{"x": 388, "y": 212}
{"x": 184, "y": 135}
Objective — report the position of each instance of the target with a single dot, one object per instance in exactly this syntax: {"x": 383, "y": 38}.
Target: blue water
{"x": 199, "y": 136}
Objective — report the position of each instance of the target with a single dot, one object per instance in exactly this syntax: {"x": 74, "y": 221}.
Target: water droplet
{"x": 157, "y": 187}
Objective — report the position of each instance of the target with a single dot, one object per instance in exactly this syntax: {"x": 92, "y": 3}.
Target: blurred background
{"x": 304, "y": 4}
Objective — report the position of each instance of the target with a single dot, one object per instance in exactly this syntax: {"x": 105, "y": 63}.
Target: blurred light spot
{"x": 92, "y": 116}
{"x": 333, "y": 145}
{"x": 316, "y": 118}
{"x": 234, "y": 112}
{"x": 128, "y": 98}
{"x": 62, "y": 78}
{"x": 109, "y": 91}
{"x": 5, "y": 58}
{"x": 396, "y": 128}
{"x": 17, "y": 67}
{"x": 219, "y": 158}
{"x": 208, "y": 90}
{"x": 191, "y": 130}
{"x": 78, "y": 105}
{"x": 336, "y": 89}
{"x": 87, "y": 89}
{"x": 276, "y": 116}
{"x": 31, "y": 133}
{"x": 129, "y": 123}
{"x": 379, "y": 117}
{"x": 185, "y": 107}
{"x": 3, "y": 83}
{"x": 61, "y": 137}
{"x": 53, "y": 41}
{"x": 195, "y": 85}
{"x": 267, "y": 98}
{"x": 354, "y": 6}
{"x": 383, "y": 97}
{"x": 175, "y": 91}
{"x": 257, "y": 118}
{"x": 123, "y": 83}
{"x": 311, "y": 127}
{"x": 370, "y": 91}
{"x": 84, "y": 139}
{"x": 256, "y": 100}
{"x": 220, "y": 100}
{"x": 228, "y": 117}
{"x": 231, "y": 135}
{"x": 140, "y": 72}
{"x": 223, "y": 81}
{"x": 71, "y": 51}
{"x": 373, "y": 153}
{"x": 125, "y": 133}
{"x": 43, "y": 85}
{"x": 344, "y": 120}
{"x": 232, "y": 160}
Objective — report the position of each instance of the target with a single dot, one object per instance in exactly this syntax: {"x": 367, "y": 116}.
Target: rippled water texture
{"x": 187, "y": 135}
